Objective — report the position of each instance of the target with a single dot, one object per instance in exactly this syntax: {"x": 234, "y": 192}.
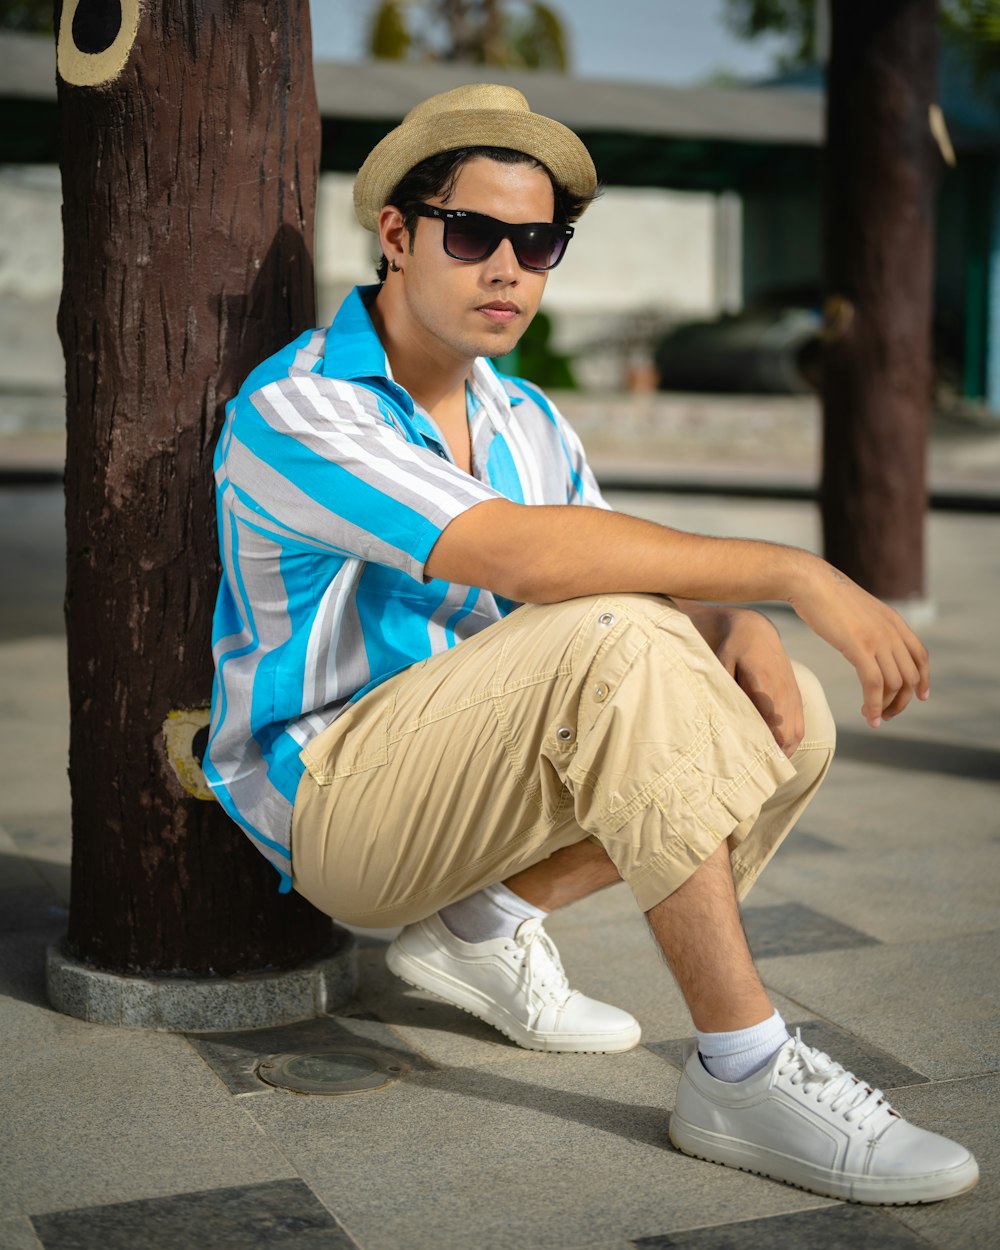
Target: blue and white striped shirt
{"x": 332, "y": 488}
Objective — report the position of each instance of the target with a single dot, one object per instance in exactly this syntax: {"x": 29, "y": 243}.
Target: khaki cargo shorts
{"x": 606, "y": 717}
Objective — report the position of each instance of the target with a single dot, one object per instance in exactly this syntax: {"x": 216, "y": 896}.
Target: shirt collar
{"x": 491, "y": 392}
{"x": 354, "y": 351}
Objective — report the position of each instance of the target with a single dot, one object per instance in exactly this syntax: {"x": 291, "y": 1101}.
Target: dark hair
{"x": 438, "y": 174}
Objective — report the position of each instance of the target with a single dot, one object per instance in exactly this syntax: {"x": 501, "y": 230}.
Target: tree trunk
{"x": 879, "y": 212}
{"x": 190, "y": 139}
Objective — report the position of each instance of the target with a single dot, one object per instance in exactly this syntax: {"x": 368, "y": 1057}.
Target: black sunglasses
{"x": 538, "y": 245}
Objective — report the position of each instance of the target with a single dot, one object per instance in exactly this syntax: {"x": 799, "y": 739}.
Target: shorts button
{"x": 564, "y": 733}
{"x": 605, "y": 619}
{"x": 600, "y": 692}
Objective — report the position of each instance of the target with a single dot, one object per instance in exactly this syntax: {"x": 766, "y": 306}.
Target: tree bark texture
{"x": 881, "y": 174}
{"x": 189, "y": 150}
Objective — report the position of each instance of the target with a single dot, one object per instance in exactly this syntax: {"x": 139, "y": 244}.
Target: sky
{"x": 664, "y": 41}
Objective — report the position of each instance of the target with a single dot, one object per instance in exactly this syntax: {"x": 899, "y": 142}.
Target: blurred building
{"x": 712, "y": 205}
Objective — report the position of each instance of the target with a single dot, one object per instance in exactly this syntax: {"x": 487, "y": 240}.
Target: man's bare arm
{"x": 548, "y": 554}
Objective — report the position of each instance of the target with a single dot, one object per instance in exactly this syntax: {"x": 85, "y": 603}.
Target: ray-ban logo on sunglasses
{"x": 538, "y": 245}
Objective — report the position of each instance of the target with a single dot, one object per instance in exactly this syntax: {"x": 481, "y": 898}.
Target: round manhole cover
{"x": 334, "y": 1070}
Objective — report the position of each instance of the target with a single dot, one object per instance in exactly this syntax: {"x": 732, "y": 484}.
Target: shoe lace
{"x": 541, "y": 966}
{"x": 831, "y": 1083}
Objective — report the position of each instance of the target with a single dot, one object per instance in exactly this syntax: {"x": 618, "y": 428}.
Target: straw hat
{"x": 477, "y": 115}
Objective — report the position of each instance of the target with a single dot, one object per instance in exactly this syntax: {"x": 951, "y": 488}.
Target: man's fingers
{"x": 902, "y": 682}
{"x": 916, "y": 671}
{"x": 890, "y": 679}
{"x": 797, "y": 722}
{"x": 916, "y": 667}
{"x": 783, "y": 715}
{"x": 872, "y": 688}
{"x": 897, "y": 704}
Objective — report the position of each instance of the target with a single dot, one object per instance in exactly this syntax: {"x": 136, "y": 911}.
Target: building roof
{"x": 386, "y": 90}
{"x": 640, "y": 134}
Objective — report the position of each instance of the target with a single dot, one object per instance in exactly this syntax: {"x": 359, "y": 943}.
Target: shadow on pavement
{"x": 919, "y": 755}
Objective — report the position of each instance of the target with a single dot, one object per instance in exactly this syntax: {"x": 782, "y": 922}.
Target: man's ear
{"x": 393, "y": 235}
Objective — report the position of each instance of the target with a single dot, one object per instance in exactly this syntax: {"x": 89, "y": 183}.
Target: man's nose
{"x": 502, "y": 266}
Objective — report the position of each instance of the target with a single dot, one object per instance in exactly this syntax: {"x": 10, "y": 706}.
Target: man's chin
{"x": 495, "y": 350}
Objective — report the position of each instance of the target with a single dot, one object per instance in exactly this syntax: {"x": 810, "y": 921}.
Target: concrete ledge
{"x": 203, "y": 1005}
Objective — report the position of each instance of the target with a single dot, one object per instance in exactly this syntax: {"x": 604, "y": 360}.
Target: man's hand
{"x": 750, "y": 649}
{"x": 890, "y": 660}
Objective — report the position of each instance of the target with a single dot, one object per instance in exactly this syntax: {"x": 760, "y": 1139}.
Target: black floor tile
{"x": 792, "y": 929}
{"x": 873, "y": 1065}
{"x": 234, "y": 1057}
{"x": 286, "y": 1215}
{"x": 830, "y": 1228}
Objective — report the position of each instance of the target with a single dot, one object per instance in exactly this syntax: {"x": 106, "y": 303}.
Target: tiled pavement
{"x": 875, "y": 927}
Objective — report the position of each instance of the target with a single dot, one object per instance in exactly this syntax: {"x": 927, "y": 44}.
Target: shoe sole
{"x": 423, "y": 977}
{"x": 895, "y": 1192}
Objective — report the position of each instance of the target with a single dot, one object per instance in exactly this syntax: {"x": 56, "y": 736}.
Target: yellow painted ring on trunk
{"x": 99, "y": 62}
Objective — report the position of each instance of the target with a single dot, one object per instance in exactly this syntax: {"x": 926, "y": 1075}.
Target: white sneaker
{"x": 516, "y": 984}
{"x": 804, "y": 1119}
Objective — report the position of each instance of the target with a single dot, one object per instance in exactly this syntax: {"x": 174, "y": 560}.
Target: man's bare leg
{"x": 567, "y": 875}
{"x": 827, "y": 1120}
{"x": 699, "y": 930}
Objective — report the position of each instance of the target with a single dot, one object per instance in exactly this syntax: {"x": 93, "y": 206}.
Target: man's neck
{"x": 430, "y": 373}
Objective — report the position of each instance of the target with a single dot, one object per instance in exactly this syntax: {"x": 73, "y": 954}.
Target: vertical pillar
{"x": 879, "y": 199}
{"x": 190, "y": 145}
{"x": 728, "y": 252}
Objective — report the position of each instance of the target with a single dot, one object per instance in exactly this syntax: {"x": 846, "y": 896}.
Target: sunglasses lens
{"x": 469, "y": 239}
{"x": 539, "y": 246}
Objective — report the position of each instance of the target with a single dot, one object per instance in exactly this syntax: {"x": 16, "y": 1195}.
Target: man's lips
{"x": 500, "y": 312}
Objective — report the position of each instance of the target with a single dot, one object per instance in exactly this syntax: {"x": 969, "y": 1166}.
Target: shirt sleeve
{"x": 316, "y": 462}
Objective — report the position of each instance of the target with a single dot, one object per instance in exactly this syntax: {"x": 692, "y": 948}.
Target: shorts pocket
{"x": 356, "y": 742}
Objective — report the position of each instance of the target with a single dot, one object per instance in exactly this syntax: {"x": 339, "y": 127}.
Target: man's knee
{"x": 815, "y": 751}
{"x": 820, "y": 730}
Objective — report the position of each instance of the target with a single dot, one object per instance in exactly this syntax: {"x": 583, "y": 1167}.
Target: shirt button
{"x": 605, "y": 619}
{"x": 600, "y": 692}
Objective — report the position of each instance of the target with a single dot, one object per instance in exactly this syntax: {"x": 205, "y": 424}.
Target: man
{"x": 409, "y": 746}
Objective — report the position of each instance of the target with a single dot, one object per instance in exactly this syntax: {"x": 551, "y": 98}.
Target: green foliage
{"x": 520, "y": 34}
{"x": 536, "y": 359}
{"x": 29, "y": 15}
{"x": 974, "y": 24}
{"x": 975, "y": 20}
{"x": 538, "y": 40}
{"x": 390, "y": 40}
{"x": 539, "y": 361}
{"x": 793, "y": 19}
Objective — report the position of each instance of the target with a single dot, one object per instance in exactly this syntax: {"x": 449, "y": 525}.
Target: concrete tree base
{"x": 210, "y": 1004}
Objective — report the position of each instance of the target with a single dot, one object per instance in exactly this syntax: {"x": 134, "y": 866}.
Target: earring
{"x": 394, "y": 267}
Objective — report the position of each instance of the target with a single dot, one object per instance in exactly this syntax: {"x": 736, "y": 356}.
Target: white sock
{"x": 493, "y": 912}
{"x": 737, "y": 1055}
